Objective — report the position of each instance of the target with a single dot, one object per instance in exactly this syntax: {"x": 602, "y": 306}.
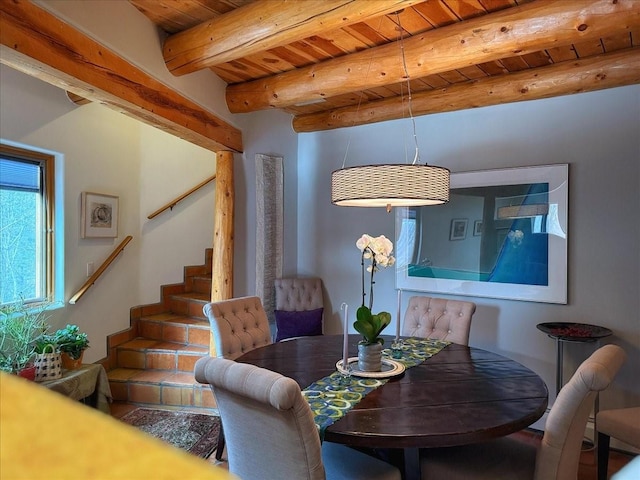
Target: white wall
{"x": 596, "y": 133}
{"x": 268, "y": 133}
{"x": 106, "y": 152}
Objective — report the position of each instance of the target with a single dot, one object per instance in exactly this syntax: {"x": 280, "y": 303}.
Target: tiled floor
{"x": 586, "y": 471}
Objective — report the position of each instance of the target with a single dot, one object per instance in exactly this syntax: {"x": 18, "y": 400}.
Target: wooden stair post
{"x": 222, "y": 262}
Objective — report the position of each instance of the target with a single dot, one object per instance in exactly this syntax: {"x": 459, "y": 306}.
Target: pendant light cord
{"x": 416, "y": 157}
{"x": 366, "y": 75}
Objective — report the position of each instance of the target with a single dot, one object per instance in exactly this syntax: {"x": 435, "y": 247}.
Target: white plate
{"x": 390, "y": 368}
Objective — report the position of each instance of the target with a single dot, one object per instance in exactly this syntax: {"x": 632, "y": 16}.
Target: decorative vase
{"x": 28, "y": 372}
{"x": 370, "y": 357}
{"x": 71, "y": 363}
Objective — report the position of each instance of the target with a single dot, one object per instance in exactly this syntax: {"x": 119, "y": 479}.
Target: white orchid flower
{"x": 378, "y": 250}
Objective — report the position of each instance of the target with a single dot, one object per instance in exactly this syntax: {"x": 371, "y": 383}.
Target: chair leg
{"x": 220, "y": 447}
{"x": 603, "y": 455}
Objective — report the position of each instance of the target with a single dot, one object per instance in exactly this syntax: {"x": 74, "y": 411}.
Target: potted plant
{"x": 21, "y": 326}
{"x": 370, "y": 325}
{"x": 72, "y": 344}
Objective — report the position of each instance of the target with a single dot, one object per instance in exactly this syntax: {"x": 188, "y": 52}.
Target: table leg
{"x": 596, "y": 409}
{"x": 412, "y": 464}
{"x": 559, "y": 365}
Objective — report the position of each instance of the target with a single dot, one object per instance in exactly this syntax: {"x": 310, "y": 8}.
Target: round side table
{"x": 571, "y": 332}
{"x": 574, "y": 332}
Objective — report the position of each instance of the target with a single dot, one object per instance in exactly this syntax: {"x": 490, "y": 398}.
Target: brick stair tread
{"x": 170, "y": 317}
{"x": 205, "y": 277}
{"x": 147, "y": 344}
{"x": 166, "y": 377}
{"x": 201, "y": 297}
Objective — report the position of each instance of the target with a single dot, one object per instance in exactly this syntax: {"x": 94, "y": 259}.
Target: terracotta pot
{"x": 71, "y": 363}
{"x": 28, "y": 372}
{"x": 370, "y": 357}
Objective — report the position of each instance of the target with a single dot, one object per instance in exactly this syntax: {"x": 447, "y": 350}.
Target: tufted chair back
{"x": 299, "y": 308}
{"x": 267, "y": 422}
{"x": 439, "y": 318}
{"x": 271, "y": 431}
{"x": 557, "y": 457}
{"x": 238, "y": 325}
{"x": 296, "y": 294}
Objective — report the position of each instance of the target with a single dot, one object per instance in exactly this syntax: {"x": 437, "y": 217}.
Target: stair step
{"x": 202, "y": 285}
{"x": 173, "y": 327}
{"x": 189, "y": 304}
{"x": 159, "y": 387}
{"x": 149, "y": 354}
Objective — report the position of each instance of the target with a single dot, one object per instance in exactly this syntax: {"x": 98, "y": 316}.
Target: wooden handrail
{"x": 92, "y": 279}
{"x": 172, "y": 203}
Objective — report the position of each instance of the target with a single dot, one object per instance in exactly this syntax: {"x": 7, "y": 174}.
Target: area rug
{"x": 194, "y": 432}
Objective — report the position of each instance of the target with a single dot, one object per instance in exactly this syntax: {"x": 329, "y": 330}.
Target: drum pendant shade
{"x": 390, "y": 185}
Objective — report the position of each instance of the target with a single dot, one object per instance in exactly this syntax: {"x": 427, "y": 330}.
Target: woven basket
{"x": 48, "y": 365}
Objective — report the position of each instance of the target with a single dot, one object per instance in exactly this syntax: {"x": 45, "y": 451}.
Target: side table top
{"x": 574, "y": 332}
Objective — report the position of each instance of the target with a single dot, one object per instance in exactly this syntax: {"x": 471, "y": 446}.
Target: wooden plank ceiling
{"x": 336, "y": 63}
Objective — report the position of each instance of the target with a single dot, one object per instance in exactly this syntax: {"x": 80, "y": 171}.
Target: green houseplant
{"x": 21, "y": 327}
{"x": 72, "y": 343}
{"x": 370, "y": 325}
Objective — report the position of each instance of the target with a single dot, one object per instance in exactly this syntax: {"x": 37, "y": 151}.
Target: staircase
{"x": 151, "y": 363}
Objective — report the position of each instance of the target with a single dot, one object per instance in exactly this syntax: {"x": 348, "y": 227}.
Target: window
{"x": 27, "y": 255}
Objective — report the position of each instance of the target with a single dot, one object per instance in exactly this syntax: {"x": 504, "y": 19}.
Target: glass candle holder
{"x": 396, "y": 348}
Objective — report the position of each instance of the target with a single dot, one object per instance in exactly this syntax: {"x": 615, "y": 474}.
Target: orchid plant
{"x": 378, "y": 251}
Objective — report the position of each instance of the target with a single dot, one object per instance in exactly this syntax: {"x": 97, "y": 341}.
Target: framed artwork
{"x": 518, "y": 249}
{"x": 99, "y": 215}
{"x": 477, "y": 228}
{"x": 458, "y": 229}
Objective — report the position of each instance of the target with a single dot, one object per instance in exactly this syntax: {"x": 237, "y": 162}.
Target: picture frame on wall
{"x": 99, "y": 215}
{"x": 520, "y": 252}
{"x": 477, "y": 228}
{"x": 458, "y": 229}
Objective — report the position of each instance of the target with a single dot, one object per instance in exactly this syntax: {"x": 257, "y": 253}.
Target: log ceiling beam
{"x": 577, "y": 76}
{"x": 514, "y": 31}
{"x": 229, "y": 37}
{"x": 39, "y": 44}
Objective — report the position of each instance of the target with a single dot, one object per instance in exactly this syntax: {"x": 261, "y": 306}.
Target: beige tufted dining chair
{"x": 620, "y": 423}
{"x": 299, "y": 307}
{"x": 237, "y": 326}
{"x": 271, "y": 432}
{"x": 438, "y": 318}
{"x": 558, "y": 456}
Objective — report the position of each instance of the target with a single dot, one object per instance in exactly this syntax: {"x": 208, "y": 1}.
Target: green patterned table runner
{"x": 331, "y": 397}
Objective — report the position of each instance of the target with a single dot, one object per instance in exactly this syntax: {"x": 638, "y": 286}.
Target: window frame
{"x": 47, "y": 164}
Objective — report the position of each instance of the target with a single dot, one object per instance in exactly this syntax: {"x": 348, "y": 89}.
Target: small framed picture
{"x": 477, "y": 228}
{"x": 99, "y": 215}
{"x": 458, "y": 229}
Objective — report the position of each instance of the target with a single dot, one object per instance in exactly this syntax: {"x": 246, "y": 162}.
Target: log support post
{"x": 222, "y": 261}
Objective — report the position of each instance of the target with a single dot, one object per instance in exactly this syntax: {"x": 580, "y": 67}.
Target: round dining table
{"x": 459, "y": 396}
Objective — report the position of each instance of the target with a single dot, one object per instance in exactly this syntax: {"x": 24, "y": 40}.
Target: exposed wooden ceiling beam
{"x": 577, "y": 76}
{"x": 260, "y": 26}
{"x": 514, "y": 31}
{"x": 37, "y": 43}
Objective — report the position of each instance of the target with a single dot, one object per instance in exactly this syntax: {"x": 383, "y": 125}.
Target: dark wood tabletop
{"x": 459, "y": 396}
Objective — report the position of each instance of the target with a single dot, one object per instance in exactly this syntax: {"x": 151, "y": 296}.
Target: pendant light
{"x": 392, "y": 184}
